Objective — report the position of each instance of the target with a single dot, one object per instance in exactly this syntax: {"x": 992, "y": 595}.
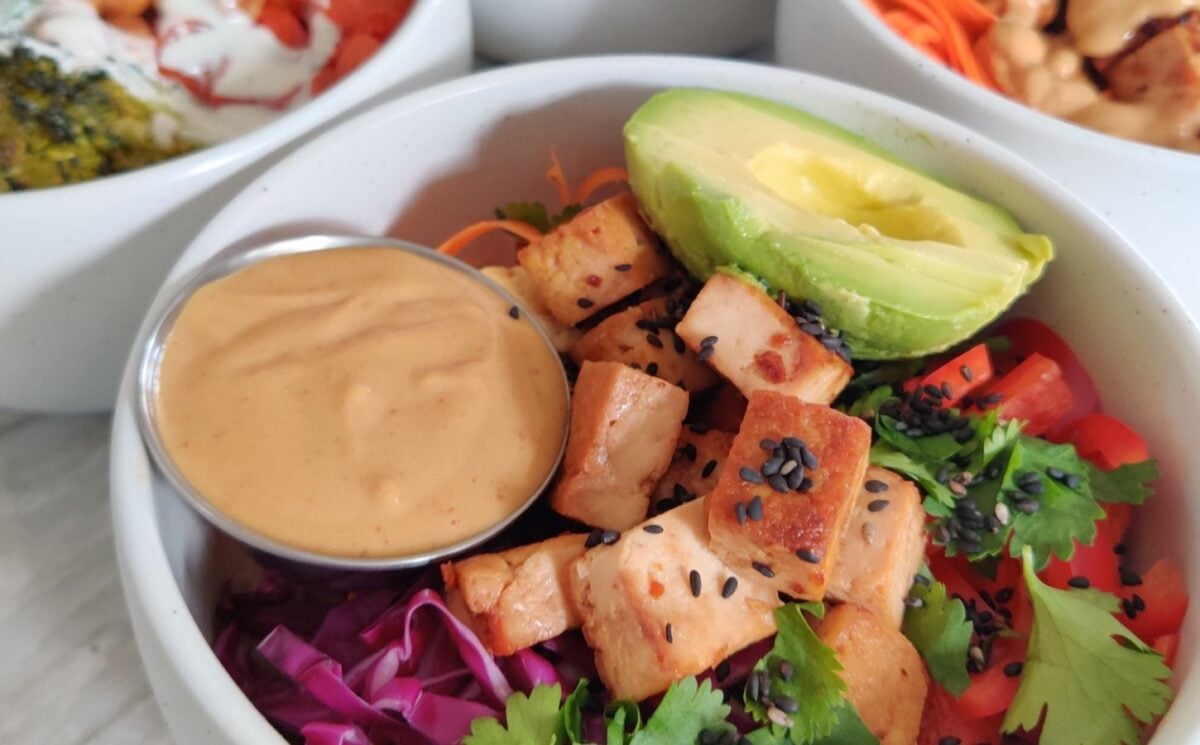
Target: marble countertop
{"x": 69, "y": 671}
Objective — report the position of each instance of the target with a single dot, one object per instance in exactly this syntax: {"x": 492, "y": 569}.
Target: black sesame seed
{"x": 664, "y": 504}
{"x": 1119, "y": 549}
{"x": 584, "y": 303}
{"x": 694, "y": 583}
{"x": 786, "y": 704}
{"x": 1013, "y": 669}
{"x": 669, "y": 634}
{"x": 514, "y": 312}
{"x": 932, "y": 391}
{"x": 755, "y": 509}
{"x": 753, "y": 687}
{"x": 787, "y": 671}
{"x": 771, "y": 466}
{"x": 623, "y": 267}
{"x": 652, "y": 528}
{"x": 593, "y": 539}
{"x": 963, "y": 436}
{"x": 748, "y": 474}
{"x": 729, "y": 587}
{"x": 1130, "y": 578}
{"x": 768, "y": 444}
{"x": 1079, "y": 583}
{"x": 949, "y": 740}
{"x": 708, "y": 469}
{"x": 794, "y": 442}
{"x": 992, "y": 398}
{"x": 682, "y": 495}
{"x": 763, "y": 569}
{"x": 678, "y": 344}
{"x": 965, "y": 372}
{"x": 653, "y": 340}
{"x": 708, "y": 341}
{"x": 723, "y": 670}
{"x": 1073, "y": 481}
{"x": 808, "y": 458}
{"x": 779, "y": 483}
{"x": 609, "y": 537}
{"x": 690, "y": 452}
{"x": 652, "y": 369}
{"x": 808, "y": 556}
{"x": 947, "y": 391}
{"x": 875, "y": 486}
{"x": 1004, "y": 594}
{"x": 805, "y": 484}
{"x": 877, "y": 505}
{"x": 646, "y": 324}
{"x": 1130, "y": 611}
{"x": 708, "y": 737}
{"x": 764, "y": 682}
{"x": 942, "y": 475}
{"x": 1138, "y": 603}
{"x": 739, "y": 512}
{"x": 705, "y": 353}
{"x": 1056, "y": 473}
{"x": 1028, "y": 506}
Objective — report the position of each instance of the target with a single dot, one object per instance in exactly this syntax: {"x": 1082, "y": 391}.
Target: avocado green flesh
{"x": 902, "y": 263}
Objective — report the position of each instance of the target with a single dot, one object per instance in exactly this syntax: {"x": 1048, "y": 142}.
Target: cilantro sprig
{"x": 938, "y": 627}
{"x": 536, "y": 214}
{"x": 1093, "y": 680}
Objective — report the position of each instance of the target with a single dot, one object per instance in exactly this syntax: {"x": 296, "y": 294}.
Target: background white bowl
{"x": 519, "y": 30}
{"x": 1148, "y": 193}
{"x": 423, "y": 166}
{"x": 79, "y": 263}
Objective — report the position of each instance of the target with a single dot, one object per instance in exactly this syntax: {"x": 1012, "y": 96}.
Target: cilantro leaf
{"x": 885, "y": 455}
{"x": 940, "y": 631}
{"x": 1093, "y": 678}
{"x": 849, "y": 730}
{"x": 686, "y": 710}
{"x": 868, "y": 406}
{"x": 1128, "y": 483}
{"x": 572, "y": 712}
{"x": 815, "y": 683}
{"x": 926, "y": 449}
{"x": 620, "y": 719}
{"x": 993, "y": 439}
{"x": 532, "y": 720}
{"x": 535, "y": 214}
{"x": 1063, "y": 516}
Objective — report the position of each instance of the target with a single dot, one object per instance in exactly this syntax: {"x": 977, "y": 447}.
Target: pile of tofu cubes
{"x": 698, "y": 533}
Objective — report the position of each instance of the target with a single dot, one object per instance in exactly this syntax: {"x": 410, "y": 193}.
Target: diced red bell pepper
{"x": 1105, "y": 441}
{"x": 1164, "y": 593}
{"x": 377, "y": 18}
{"x": 1116, "y": 521}
{"x": 942, "y": 718}
{"x": 1033, "y": 392}
{"x": 1168, "y": 646}
{"x": 1097, "y": 563}
{"x": 963, "y": 374}
{"x": 1034, "y": 337}
{"x": 285, "y": 25}
{"x": 354, "y": 50}
{"x": 991, "y": 692}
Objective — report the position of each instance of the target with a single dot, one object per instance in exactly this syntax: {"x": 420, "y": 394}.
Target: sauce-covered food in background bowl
{"x": 823, "y": 482}
{"x": 142, "y": 137}
{"x": 333, "y": 401}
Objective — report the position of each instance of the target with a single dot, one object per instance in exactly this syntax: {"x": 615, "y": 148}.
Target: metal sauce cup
{"x": 146, "y": 401}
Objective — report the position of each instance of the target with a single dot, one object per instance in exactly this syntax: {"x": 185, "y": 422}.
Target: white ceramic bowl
{"x": 520, "y": 30}
{"x": 79, "y": 263}
{"x": 1148, "y": 193}
{"x": 420, "y": 167}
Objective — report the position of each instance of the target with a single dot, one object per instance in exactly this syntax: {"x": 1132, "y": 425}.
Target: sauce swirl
{"x": 359, "y": 402}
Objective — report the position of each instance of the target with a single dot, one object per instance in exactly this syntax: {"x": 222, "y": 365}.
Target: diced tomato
{"x": 942, "y": 719}
{"x": 1034, "y": 337}
{"x": 976, "y": 363}
{"x": 1105, "y": 441}
{"x": 1033, "y": 392}
{"x": 1167, "y": 645}
{"x": 285, "y": 25}
{"x": 1097, "y": 563}
{"x": 991, "y": 692}
{"x": 1164, "y": 593}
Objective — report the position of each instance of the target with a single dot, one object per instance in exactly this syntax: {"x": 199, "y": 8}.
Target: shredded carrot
{"x": 457, "y": 242}
{"x": 558, "y": 178}
{"x": 943, "y": 29}
{"x": 974, "y": 16}
{"x": 598, "y": 178}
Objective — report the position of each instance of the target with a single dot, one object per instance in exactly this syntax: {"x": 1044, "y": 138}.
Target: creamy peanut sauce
{"x": 359, "y": 402}
{"x": 1047, "y": 71}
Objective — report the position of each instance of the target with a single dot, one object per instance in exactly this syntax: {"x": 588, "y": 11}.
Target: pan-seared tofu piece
{"x": 624, "y": 426}
{"x": 516, "y": 280}
{"x": 1169, "y": 61}
{"x": 883, "y": 547}
{"x": 516, "y": 598}
{"x": 696, "y": 468}
{"x": 758, "y": 346}
{"x": 603, "y": 254}
{"x": 884, "y": 674}
{"x": 634, "y": 336}
{"x": 650, "y": 620}
{"x": 787, "y": 492}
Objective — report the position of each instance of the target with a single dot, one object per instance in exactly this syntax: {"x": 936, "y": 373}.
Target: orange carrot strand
{"x": 559, "y": 179}
{"x": 598, "y": 178}
{"x": 453, "y": 245}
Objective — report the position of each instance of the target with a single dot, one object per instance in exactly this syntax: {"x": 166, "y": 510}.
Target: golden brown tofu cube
{"x": 624, "y": 426}
{"x": 516, "y": 280}
{"x": 763, "y": 516}
{"x": 758, "y": 345}
{"x": 633, "y": 338}
{"x": 1168, "y": 61}
{"x": 602, "y": 255}
{"x": 884, "y": 674}
{"x": 884, "y": 546}
{"x": 696, "y": 468}
{"x": 640, "y": 612}
{"x": 516, "y": 598}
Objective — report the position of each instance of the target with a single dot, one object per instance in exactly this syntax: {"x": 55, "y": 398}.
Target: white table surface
{"x": 69, "y": 670}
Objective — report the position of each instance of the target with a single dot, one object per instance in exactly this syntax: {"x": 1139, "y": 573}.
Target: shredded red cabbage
{"x": 368, "y": 668}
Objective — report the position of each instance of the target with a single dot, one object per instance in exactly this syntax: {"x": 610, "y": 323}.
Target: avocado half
{"x": 903, "y": 264}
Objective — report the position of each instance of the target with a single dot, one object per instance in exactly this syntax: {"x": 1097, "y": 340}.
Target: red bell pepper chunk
{"x": 1168, "y": 646}
{"x": 942, "y": 719}
{"x": 1034, "y": 337}
{"x": 1164, "y": 593}
{"x": 1105, "y": 441}
{"x": 1116, "y": 521}
{"x": 963, "y": 374}
{"x": 285, "y": 25}
{"x": 1033, "y": 392}
{"x": 1096, "y": 563}
{"x": 991, "y": 692}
